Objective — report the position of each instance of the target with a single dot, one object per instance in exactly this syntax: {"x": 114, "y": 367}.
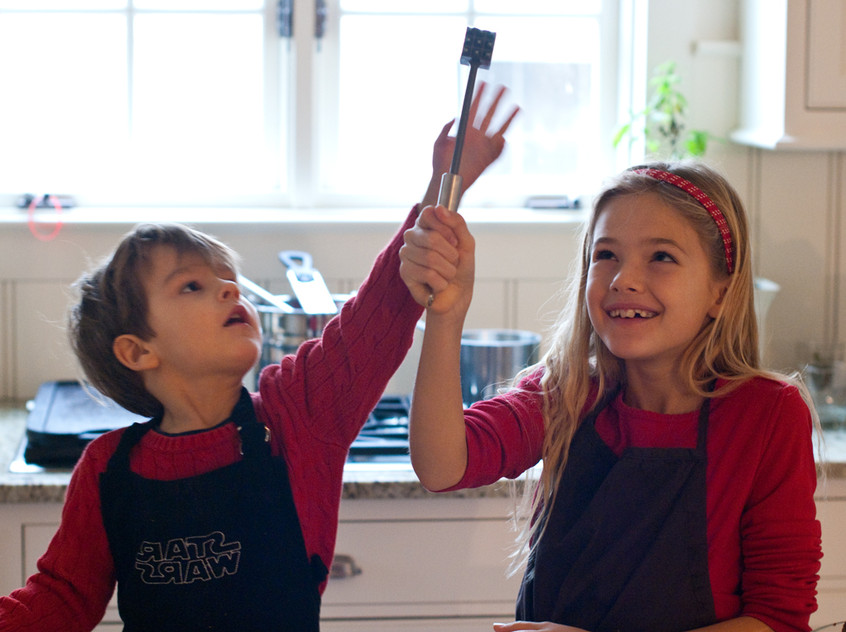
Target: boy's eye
{"x": 193, "y": 286}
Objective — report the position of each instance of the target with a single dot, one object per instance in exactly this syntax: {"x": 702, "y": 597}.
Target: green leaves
{"x": 663, "y": 120}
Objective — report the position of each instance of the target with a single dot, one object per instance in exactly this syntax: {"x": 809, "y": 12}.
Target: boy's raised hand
{"x": 480, "y": 150}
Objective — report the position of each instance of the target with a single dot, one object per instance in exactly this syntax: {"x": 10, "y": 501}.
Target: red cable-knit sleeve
{"x": 779, "y": 531}
{"x": 75, "y": 577}
{"x": 504, "y": 435}
{"x": 316, "y": 401}
{"x": 333, "y": 382}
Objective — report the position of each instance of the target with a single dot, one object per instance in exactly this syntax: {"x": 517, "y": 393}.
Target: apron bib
{"x": 219, "y": 551}
{"x": 625, "y": 545}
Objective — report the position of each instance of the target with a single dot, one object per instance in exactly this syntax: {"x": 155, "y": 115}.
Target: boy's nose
{"x": 230, "y": 291}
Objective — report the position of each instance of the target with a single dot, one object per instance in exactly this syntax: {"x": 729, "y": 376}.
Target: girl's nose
{"x": 627, "y": 279}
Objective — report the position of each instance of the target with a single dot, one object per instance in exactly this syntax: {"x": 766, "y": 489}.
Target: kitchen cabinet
{"x": 831, "y": 589}
{"x": 440, "y": 559}
{"x": 426, "y": 564}
{"x": 793, "y": 80}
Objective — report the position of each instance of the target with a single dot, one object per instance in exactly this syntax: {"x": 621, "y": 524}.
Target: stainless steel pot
{"x": 490, "y": 358}
{"x": 286, "y": 326}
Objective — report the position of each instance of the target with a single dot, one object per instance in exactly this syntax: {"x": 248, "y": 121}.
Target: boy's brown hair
{"x": 113, "y": 301}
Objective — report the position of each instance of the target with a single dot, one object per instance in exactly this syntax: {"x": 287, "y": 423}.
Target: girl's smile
{"x": 650, "y": 288}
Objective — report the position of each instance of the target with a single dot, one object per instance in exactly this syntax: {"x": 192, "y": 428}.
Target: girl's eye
{"x": 601, "y": 255}
{"x": 664, "y": 256}
{"x": 193, "y": 286}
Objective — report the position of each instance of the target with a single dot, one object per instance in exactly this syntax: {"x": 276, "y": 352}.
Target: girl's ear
{"x": 717, "y": 307}
{"x": 134, "y": 353}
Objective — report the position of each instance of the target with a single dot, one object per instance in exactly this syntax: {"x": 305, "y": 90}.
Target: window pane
{"x": 42, "y": 5}
{"x": 400, "y": 80}
{"x": 539, "y": 7}
{"x": 404, "y": 6}
{"x": 397, "y": 87}
{"x": 199, "y": 5}
{"x": 551, "y": 67}
{"x": 198, "y": 103}
{"x": 63, "y": 122}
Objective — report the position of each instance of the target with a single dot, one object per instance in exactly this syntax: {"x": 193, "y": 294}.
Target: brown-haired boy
{"x": 221, "y": 512}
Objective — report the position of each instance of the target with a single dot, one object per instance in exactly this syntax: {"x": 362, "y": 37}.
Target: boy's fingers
{"x": 492, "y": 109}
{"x": 504, "y": 128}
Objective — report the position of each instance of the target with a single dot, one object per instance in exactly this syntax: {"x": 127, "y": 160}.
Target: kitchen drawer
{"x": 450, "y": 561}
{"x": 411, "y": 625}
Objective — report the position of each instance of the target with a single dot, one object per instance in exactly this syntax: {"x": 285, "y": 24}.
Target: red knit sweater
{"x": 763, "y": 537}
{"x": 314, "y": 403}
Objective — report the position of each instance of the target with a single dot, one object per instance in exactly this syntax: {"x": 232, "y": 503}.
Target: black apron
{"x": 625, "y": 546}
{"x": 219, "y": 551}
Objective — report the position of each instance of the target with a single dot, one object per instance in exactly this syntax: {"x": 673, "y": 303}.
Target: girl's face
{"x": 650, "y": 288}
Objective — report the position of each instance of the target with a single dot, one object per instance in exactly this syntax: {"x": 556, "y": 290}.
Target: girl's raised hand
{"x": 438, "y": 260}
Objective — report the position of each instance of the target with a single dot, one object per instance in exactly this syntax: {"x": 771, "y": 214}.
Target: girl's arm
{"x": 438, "y": 265}
{"x": 438, "y": 260}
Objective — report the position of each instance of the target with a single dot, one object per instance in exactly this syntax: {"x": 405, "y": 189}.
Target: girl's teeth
{"x": 630, "y": 313}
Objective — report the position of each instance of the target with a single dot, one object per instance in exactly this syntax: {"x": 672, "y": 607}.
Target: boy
{"x": 221, "y": 512}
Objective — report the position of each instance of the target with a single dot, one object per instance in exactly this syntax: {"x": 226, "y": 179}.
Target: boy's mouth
{"x": 631, "y": 313}
{"x": 237, "y": 317}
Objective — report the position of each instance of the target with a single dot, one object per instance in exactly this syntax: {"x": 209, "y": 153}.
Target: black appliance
{"x": 63, "y": 418}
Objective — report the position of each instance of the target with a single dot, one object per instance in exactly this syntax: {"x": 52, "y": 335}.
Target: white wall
{"x": 520, "y": 266}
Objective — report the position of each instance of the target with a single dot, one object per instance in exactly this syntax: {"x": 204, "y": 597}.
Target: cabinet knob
{"x": 344, "y": 566}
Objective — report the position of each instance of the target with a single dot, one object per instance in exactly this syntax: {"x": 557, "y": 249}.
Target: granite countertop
{"x": 361, "y": 480}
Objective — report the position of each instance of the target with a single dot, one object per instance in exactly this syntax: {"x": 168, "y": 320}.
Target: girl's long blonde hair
{"x": 578, "y": 362}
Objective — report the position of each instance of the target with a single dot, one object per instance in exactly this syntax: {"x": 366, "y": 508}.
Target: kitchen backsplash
{"x": 796, "y": 202}
{"x": 520, "y": 268}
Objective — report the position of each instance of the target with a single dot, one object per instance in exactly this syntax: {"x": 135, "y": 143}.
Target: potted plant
{"x": 663, "y": 121}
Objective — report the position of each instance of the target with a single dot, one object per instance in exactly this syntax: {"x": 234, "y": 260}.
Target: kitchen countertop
{"x": 361, "y": 480}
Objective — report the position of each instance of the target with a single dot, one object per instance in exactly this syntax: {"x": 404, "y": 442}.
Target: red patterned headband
{"x": 700, "y": 196}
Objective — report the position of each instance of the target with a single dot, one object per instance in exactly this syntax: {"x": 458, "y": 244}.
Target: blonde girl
{"x": 678, "y": 475}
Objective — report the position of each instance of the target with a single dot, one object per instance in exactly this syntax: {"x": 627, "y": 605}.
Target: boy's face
{"x": 203, "y": 326}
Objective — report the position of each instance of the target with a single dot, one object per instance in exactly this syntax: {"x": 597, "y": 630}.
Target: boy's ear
{"x": 134, "y": 353}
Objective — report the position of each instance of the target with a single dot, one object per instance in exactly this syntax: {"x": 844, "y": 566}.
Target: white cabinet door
{"x": 831, "y": 590}
{"x": 418, "y": 625}
{"x": 826, "y": 54}
{"x": 793, "y": 79}
{"x": 424, "y": 558}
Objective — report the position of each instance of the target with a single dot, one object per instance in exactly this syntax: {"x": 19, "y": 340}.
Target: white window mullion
{"x": 302, "y": 156}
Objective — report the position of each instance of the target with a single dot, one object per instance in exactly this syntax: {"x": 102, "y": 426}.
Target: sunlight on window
{"x": 198, "y": 102}
{"x": 62, "y": 128}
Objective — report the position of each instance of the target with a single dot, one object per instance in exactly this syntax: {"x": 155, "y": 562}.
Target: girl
{"x": 678, "y": 475}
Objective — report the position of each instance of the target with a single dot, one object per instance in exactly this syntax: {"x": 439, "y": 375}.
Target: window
{"x": 201, "y": 102}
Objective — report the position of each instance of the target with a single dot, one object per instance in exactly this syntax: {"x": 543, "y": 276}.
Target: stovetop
{"x": 63, "y": 419}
